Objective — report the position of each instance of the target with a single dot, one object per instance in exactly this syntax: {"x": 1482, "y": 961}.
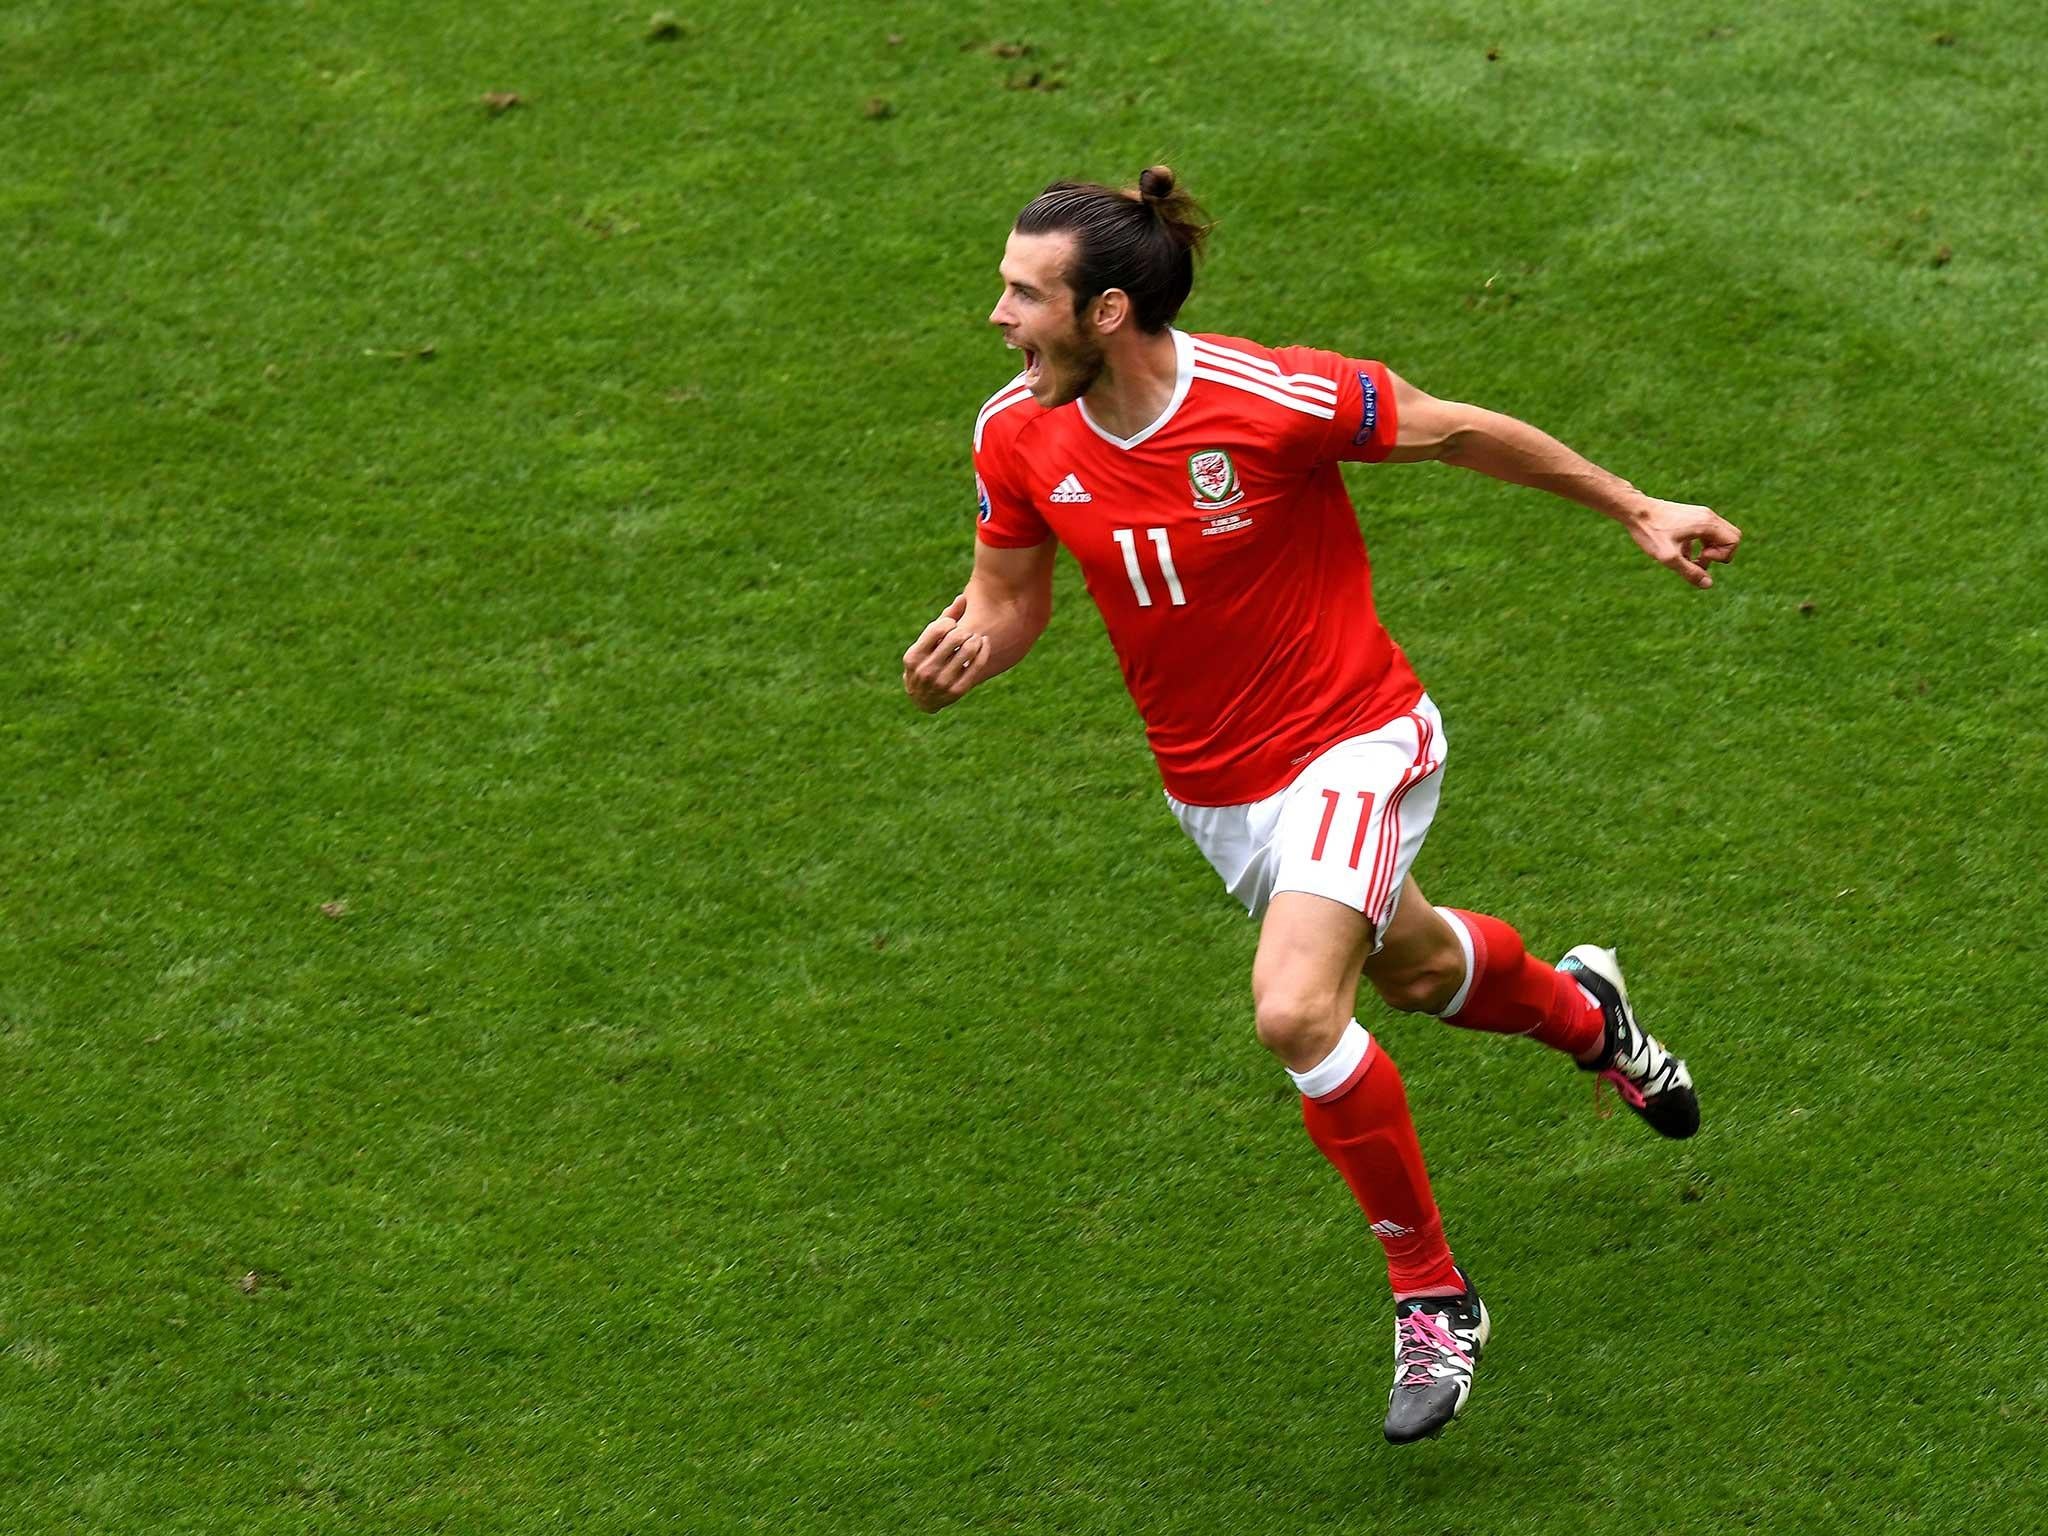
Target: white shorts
{"x": 1348, "y": 827}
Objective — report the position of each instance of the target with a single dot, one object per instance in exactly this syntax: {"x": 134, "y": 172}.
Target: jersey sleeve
{"x": 1365, "y": 425}
{"x": 1002, "y": 517}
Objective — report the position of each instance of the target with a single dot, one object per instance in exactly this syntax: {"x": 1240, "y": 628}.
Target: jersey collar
{"x": 1184, "y": 372}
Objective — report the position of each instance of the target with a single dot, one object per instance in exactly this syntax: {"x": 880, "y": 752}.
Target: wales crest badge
{"x": 1214, "y": 479}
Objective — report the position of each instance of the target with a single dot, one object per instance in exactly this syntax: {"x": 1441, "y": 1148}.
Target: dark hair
{"x": 1141, "y": 239}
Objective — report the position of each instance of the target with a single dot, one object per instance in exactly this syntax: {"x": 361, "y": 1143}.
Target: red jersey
{"x": 1223, "y": 551}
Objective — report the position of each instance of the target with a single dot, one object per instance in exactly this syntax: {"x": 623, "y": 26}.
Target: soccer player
{"x": 1194, "y": 479}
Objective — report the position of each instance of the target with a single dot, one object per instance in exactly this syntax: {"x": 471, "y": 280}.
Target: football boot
{"x": 1437, "y": 1344}
{"x": 1651, "y": 1081}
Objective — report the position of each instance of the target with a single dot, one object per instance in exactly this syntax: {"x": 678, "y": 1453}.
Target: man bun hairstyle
{"x": 1142, "y": 239}
{"x": 1155, "y": 183}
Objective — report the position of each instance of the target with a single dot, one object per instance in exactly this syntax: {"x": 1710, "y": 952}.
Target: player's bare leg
{"x": 1420, "y": 964}
{"x": 1305, "y": 978}
{"x": 1304, "y": 983}
{"x": 1472, "y": 971}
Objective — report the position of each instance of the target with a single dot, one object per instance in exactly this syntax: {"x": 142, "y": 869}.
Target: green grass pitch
{"x": 509, "y": 1022}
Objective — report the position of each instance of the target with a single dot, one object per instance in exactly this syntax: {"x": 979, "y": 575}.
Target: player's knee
{"x": 1424, "y": 987}
{"x": 1297, "y": 1026}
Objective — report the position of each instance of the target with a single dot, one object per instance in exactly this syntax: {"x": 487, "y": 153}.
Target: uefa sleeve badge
{"x": 1369, "y": 408}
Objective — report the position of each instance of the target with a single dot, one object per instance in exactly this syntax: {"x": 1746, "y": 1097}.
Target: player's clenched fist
{"x": 944, "y": 662}
{"x": 1684, "y": 538}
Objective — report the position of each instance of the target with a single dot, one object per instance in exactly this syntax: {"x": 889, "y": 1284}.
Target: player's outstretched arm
{"x": 1675, "y": 534}
{"x": 986, "y": 629}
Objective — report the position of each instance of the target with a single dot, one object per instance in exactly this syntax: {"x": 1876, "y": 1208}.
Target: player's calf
{"x": 1508, "y": 991}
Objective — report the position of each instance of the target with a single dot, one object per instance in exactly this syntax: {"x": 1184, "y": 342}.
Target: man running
{"x": 1194, "y": 479}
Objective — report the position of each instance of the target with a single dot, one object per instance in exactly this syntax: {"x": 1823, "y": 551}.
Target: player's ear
{"x": 1110, "y": 311}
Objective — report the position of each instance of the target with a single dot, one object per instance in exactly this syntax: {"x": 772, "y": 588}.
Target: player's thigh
{"x": 1305, "y": 978}
{"x": 1419, "y": 963}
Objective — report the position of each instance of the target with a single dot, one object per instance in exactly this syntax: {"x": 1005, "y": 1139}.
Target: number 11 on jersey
{"x": 1128, "y": 542}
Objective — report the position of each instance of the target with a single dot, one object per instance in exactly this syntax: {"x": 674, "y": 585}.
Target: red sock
{"x": 1511, "y": 992}
{"x": 1363, "y": 1128}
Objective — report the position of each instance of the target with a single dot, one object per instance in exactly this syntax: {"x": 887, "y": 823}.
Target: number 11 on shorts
{"x": 1331, "y": 800}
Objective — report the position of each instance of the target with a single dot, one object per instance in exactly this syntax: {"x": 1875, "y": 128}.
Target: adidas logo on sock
{"x": 1069, "y": 489}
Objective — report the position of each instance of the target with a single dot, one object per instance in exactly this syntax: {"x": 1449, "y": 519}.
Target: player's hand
{"x": 1685, "y": 538}
{"x": 944, "y": 662}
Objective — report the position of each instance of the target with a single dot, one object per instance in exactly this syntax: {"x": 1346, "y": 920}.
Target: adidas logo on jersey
{"x": 1069, "y": 489}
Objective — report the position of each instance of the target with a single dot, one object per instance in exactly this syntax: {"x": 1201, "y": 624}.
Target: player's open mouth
{"x": 1031, "y": 369}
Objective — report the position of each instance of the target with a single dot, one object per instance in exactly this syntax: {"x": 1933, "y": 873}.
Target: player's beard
{"x": 1071, "y": 369}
